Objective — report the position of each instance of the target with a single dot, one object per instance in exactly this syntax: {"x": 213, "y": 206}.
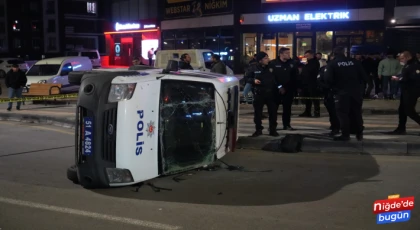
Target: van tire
{"x": 75, "y": 78}
{"x": 72, "y": 174}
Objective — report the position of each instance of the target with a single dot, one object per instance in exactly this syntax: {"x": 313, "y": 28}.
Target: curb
{"x": 311, "y": 145}
{"x": 38, "y": 119}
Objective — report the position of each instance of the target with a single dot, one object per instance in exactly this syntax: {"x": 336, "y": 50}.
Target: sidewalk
{"x": 314, "y": 130}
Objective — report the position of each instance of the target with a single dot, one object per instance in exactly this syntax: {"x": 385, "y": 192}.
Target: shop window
{"x": 349, "y": 32}
{"x": 356, "y": 40}
{"x": 249, "y": 45}
{"x": 285, "y": 40}
{"x": 374, "y": 37}
{"x": 181, "y": 44}
{"x": 268, "y": 44}
{"x": 304, "y": 34}
{"x": 168, "y": 44}
{"x": 226, "y": 51}
{"x": 324, "y": 43}
{"x": 211, "y": 44}
{"x": 195, "y": 43}
{"x": 303, "y": 45}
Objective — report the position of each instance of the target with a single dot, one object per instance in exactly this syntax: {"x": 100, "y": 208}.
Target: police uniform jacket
{"x": 410, "y": 75}
{"x": 286, "y": 73}
{"x": 268, "y": 82}
{"x": 345, "y": 76}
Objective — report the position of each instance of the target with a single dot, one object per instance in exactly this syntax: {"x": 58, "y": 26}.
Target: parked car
{"x": 93, "y": 55}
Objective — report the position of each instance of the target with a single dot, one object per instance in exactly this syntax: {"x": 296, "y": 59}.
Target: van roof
{"x": 58, "y": 60}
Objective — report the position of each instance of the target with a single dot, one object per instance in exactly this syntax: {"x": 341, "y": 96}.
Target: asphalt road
{"x": 304, "y": 191}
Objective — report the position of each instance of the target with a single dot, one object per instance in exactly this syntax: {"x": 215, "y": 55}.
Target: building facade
{"x": 194, "y": 24}
{"x": 237, "y": 29}
{"x": 132, "y": 32}
{"x": 403, "y": 25}
{"x": 33, "y": 29}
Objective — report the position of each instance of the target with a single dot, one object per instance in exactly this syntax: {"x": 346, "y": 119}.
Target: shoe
{"x": 342, "y": 138}
{"x": 288, "y": 127}
{"x": 9, "y": 109}
{"x": 334, "y": 133}
{"x": 257, "y": 133}
{"x": 397, "y": 132}
{"x": 305, "y": 114}
{"x": 359, "y": 136}
{"x": 274, "y": 134}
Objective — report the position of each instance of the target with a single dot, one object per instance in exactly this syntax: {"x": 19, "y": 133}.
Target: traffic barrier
{"x": 75, "y": 95}
{"x": 39, "y": 98}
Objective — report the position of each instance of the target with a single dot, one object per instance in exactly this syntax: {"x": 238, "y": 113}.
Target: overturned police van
{"x": 133, "y": 126}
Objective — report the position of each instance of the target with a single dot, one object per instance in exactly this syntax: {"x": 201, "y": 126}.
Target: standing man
{"x": 265, "y": 93}
{"x": 318, "y": 56}
{"x": 310, "y": 87}
{"x": 217, "y": 66}
{"x": 410, "y": 85}
{"x": 150, "y": 56}
{"x": 387, "y": 68}
{"x": 345, "y": 77}
{"x": 185, "y": 62}
{"x": 370, "y": 69}
{"x": 286, "y": 73}
{"x": 15, "y": 81}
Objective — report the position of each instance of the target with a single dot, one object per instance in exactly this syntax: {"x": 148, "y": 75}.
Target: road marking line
{"x": 95, "y": 215}
{"x": 40, "y": 127}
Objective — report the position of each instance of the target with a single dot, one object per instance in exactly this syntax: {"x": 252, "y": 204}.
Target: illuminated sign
{"x": 127, "y": 26}
{"x": 345, "y": 15}
{"x": 149, "y": 26}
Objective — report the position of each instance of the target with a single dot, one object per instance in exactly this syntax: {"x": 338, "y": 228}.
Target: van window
{"x": 43, "y": 70}
{"x": 72, "y": 53}
{"x": 15, "y": 61}
{"x": 90, "y": 55}
{"x": 207, "y": 59}
{"x": 67, "y": 68}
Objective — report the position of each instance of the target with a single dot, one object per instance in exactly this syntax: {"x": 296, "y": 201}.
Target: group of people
{"x": 342, "y": 81}
{"x": 217, "y": 65}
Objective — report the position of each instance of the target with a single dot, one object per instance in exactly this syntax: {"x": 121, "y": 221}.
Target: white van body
{"x": 127, "y": 137}
{"x": 93, "y": 55}
{"x": 200, "y": 59}
{"x": 56, "y": 70}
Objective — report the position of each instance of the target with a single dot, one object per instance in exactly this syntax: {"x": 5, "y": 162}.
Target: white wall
{"x": 223, "y": 20}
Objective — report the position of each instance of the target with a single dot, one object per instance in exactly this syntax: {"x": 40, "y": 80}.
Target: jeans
{"x": 15, "y": 93}
{"x": 247, "y": 89}
{"x": 393, "y": 86}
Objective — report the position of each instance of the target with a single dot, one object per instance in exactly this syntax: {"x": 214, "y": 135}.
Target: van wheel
{"x": 2, "y": 74}
{"x": 75, "y": 78}
{"x": 72, "y": 174}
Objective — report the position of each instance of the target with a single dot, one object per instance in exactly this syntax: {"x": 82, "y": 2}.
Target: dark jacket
{"x": 410, "y": 75}
{"x": 218, "y": 67}
{"x": 15, "y": 80}
{"x": 310, "y": 73}
{"x": 185, "y": 65}
{"x": 345, "y": 76}
{"x": 286, "y": 74}
{"x": 370, "y": 66}
{"x": 268, "y": 84}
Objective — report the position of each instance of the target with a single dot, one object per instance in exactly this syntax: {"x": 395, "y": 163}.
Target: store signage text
{"x": 127, "y": 26}
{"x": 309, "y": 17}
{"x": 191, "y": 8}
{"x": 149, "y": 26}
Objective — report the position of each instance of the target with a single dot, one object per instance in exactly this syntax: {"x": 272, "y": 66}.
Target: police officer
{"x": 345, "y": 77}
{"x": 328, "y": 99}
{"x": 265, "y": 93}
{"x": 286, "y": 72}
{"x": 410, "y": 85}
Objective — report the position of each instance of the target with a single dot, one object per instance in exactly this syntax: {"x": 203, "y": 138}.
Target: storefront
{"x": 128, "y": 40}
{"x": 319, "y": 31}
{"x": 207, "y": 24}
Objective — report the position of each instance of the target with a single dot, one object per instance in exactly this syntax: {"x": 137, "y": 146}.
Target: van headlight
{"x": 120, "y": 92}
{"x": 116, "y": 175}
{"x": 42, "y": 81}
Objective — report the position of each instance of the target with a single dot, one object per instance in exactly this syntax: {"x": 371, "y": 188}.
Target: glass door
{"x": 285, "y": 40}
{"x": 303, "y": 44}
{"x": 347, "y": 42}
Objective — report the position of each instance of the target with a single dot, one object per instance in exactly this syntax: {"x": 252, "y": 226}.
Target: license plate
{"x": 87, "y": 136}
